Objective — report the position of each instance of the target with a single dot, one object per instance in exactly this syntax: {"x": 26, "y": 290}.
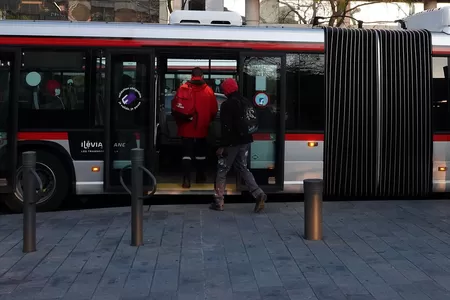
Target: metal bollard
{"x": 137, "y": 189}
{"x": 29, "y": 201}
{"x": 313, "y": 208}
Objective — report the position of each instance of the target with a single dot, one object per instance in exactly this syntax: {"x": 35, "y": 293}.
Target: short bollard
{"x": 137, "y": 189}
{"x": 313, "y": 208}
{"x": 29, "y": 201}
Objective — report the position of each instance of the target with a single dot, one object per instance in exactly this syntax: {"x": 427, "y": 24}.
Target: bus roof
{"x": 103, "y": 34}
{"x": 159, "y": 31}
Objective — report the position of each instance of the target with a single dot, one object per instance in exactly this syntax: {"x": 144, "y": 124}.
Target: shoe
{"x": 260, "y": 202}
{"x": 217, "y": 205}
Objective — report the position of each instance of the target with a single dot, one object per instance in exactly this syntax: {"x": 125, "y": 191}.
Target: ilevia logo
{"x": 129, "y": 98}
{"x": 91, "y": 147}
{"x": 97, "y": 147}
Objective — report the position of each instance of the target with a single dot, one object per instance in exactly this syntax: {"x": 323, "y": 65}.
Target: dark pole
{"x": 137, "y": 189}
{"x": 313, "y": 208}
{"x": 29, "y": 201}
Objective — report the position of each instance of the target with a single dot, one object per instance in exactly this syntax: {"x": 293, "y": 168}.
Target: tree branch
{"x": 292, "y": 8}
{"x": 169, "y": 6}
{"x": 360, "y": 5}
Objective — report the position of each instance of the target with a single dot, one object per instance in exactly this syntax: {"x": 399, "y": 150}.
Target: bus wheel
{"x": 55, "y": 182}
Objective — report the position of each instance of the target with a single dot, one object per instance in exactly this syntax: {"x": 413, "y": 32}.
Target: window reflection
{"x": 52, "y": 81}
{"x": 440, "y": 94}
{"x": 305, "y": 104}
{"x": 5, "y": 75}
{"x": 5, "y": 66}
{"x": 262, "y": 76}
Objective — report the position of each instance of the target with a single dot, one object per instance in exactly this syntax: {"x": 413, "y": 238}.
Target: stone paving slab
{"x": 371, "y": 250}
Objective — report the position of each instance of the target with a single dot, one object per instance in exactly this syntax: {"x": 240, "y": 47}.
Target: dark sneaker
{"x": 260, "y": 202}
{"x": 217, "y": 205}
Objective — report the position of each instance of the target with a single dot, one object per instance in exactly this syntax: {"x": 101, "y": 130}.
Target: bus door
{"x": 263, "y": 81}
{"x": 9, "y": 81}
{"x": 130, "y": 119}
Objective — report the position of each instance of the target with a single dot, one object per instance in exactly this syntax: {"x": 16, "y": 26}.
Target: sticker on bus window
{"x": 261, "y": 99}
{"x": 130, "y": 98}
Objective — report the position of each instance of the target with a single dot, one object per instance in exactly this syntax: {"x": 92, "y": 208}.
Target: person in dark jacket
{"x": 234, "y": 149}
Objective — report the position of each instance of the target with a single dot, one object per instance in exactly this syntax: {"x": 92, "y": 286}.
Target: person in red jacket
{"x": 194, "y": 133}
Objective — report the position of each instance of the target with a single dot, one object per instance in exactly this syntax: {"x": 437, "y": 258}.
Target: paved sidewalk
{"x": 371, "y": 250}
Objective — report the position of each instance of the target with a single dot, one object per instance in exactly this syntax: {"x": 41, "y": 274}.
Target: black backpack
{"x": 248, "y": 118}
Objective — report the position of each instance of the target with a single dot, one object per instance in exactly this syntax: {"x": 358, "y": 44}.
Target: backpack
{"x": 183, "y": 104}
{"x": 248, "y": 118}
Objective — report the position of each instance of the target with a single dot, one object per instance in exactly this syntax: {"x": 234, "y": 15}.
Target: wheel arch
{"x": 55, "y": 149}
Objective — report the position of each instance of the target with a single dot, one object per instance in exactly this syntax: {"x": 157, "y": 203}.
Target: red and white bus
{"x": 61, "y": 85}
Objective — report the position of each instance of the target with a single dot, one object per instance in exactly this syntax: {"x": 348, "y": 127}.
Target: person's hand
{"x": 219, "y": 151}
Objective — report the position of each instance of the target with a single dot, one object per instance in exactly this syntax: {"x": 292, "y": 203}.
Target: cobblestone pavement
{"x": 371, "y": 250}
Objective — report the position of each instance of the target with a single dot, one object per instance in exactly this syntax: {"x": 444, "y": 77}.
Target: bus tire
{"x": 55, "y": 179}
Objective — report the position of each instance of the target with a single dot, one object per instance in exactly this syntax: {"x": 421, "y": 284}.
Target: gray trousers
{"x": 237, "y": 156}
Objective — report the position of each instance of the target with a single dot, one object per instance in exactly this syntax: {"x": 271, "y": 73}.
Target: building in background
{"x": 157, "y": 11}
{"x": 148, "y": 11}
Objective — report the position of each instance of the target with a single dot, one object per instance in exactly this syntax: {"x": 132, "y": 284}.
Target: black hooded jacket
{"x": 229, "y": 120}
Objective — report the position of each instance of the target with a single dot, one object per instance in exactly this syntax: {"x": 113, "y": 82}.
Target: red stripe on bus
{"x": 127, "y": 43}
{"x": 318, "y": 137}
{"x": 441, "y": 137}
{"x": 42, "y": 136}
{"x": 310, "y": 137}
{"x": 261, "y": 137}
{"x": 440, "y": 50}
{"x": 111, "y": 42}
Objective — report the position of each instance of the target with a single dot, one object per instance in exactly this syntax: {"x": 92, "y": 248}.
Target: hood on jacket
{"x": 229, "y": 86}
{"x": 197, "y": 80}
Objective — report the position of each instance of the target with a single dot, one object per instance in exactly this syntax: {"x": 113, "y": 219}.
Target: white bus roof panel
{"x": 159, "y": 31}
{"x": 434, "y": 20}
{"x": 218, "y": 18}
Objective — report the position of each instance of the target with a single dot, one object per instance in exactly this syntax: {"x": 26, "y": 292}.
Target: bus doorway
{"x": 9, "y": 71}
{"x": 172, "y": 71}
{"x": 262, "y": 79}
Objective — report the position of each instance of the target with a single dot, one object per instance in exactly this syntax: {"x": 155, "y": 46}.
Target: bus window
{"x": 100, "y": 76}
{"x": 5, "y": 70}
{"x": 52, "y": 90}
{"x": 440, "y": 94}
{"x": 305, "y": 95}
{"x": 4, "y": 95}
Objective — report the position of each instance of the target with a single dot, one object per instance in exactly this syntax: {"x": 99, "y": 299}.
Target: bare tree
{"x": 336, "y": 11}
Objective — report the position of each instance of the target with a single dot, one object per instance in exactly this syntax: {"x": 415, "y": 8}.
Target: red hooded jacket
{"x": 206, "y": 108}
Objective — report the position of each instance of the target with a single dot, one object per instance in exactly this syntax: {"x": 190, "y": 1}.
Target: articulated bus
{"x": 62, "y": 87}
